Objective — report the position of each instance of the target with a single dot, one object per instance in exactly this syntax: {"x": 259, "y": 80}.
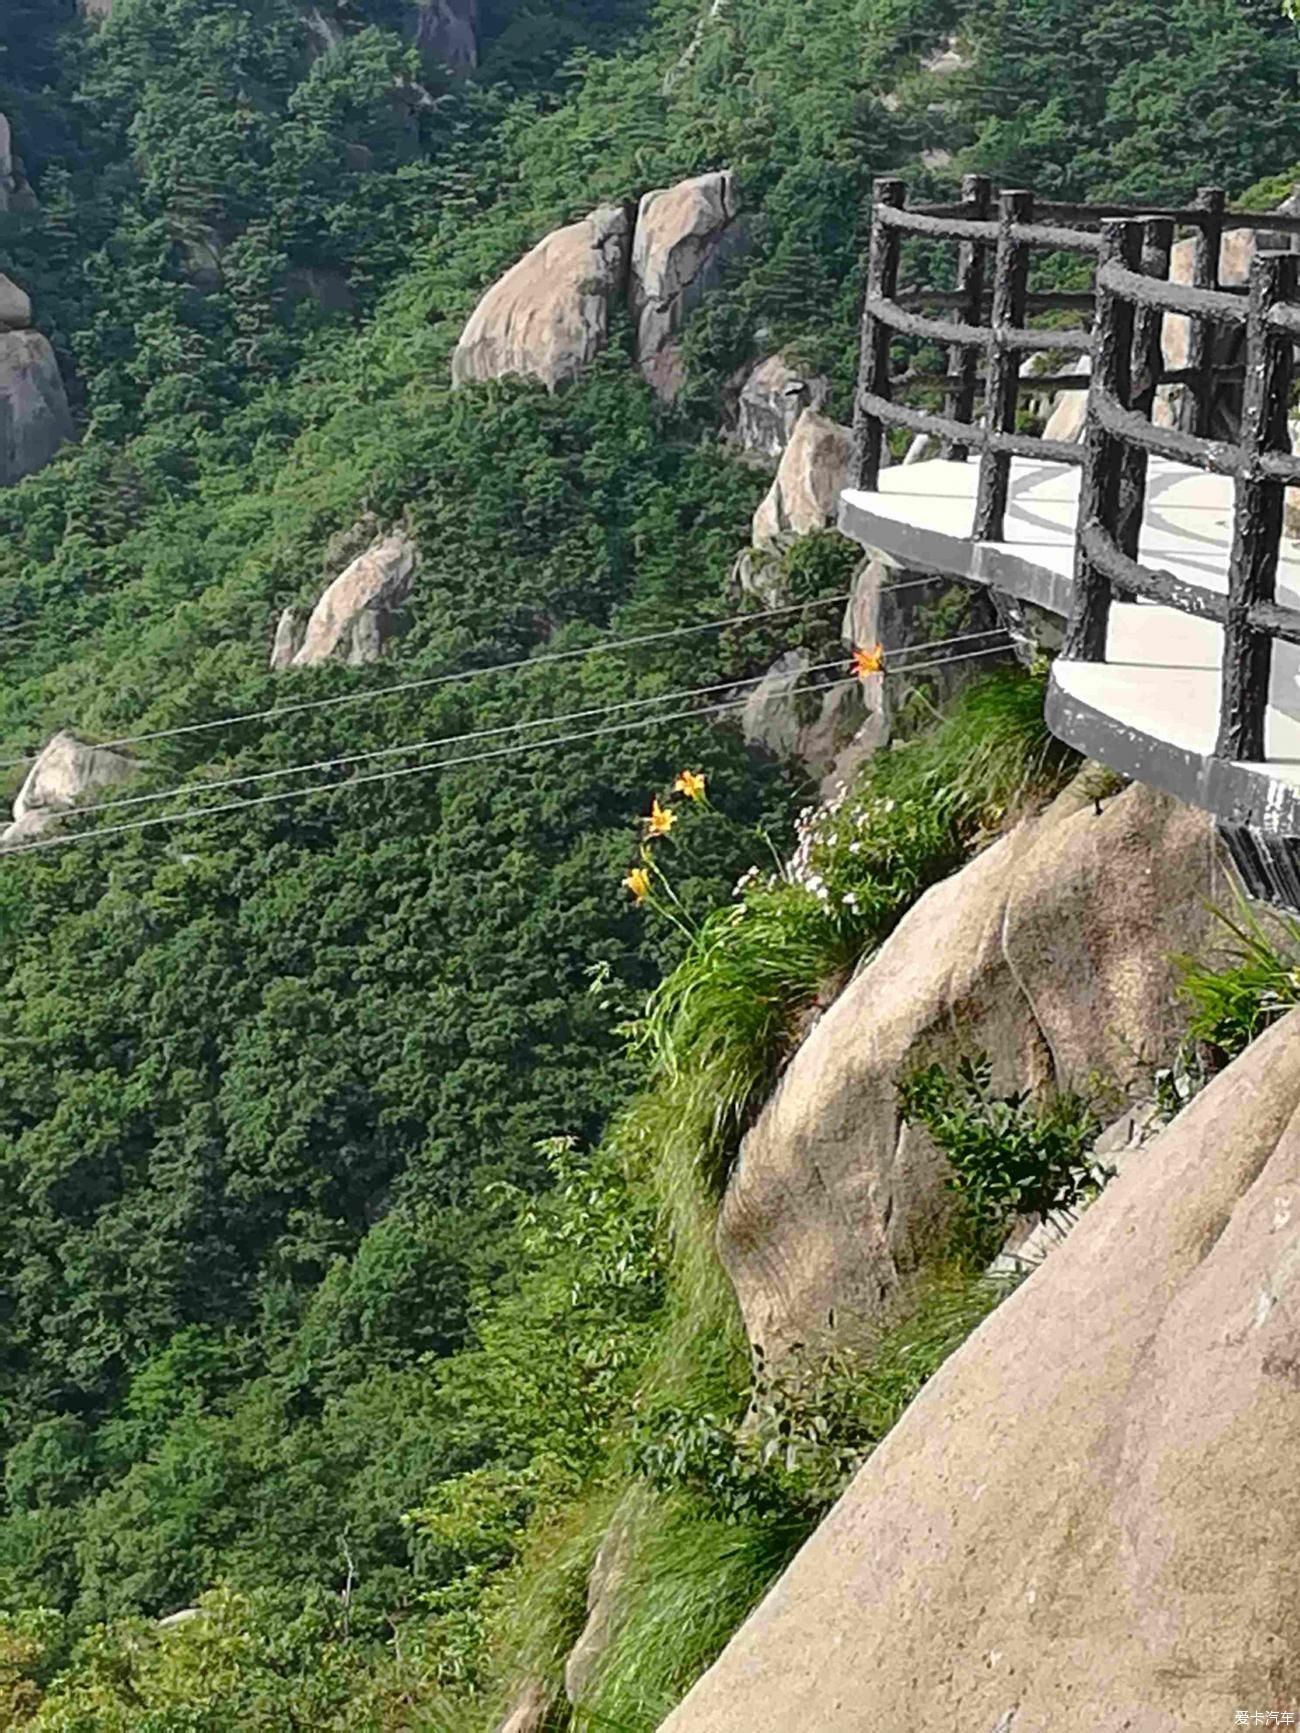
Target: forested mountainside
{"x": 341, "y": 1285}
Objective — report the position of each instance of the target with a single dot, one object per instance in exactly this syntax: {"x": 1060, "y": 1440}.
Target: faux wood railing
{"x": 1120, "y": 438}
{"x": 990, "y": 306}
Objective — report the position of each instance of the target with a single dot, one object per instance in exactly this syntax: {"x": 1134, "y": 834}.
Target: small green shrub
{"x": 1007, "y": 1156}
{"x": 810, "y": 1424}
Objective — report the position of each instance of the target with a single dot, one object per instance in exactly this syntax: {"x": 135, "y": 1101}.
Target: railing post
{"x": 1198, "y": 411}
{"x": 1103, "y": 454}
{"x": 1144, "y": 376}
{"x": 1010, "y": 276}
{"x": 959, "y": 405}
{"x": 1257, "y": 512}
{"x": 873, "y": 368}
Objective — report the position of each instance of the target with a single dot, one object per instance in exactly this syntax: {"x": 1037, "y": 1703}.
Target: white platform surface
{"x": 1162, "y": 673}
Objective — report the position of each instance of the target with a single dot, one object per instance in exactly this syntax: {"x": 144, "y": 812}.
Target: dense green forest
{"x": 339, "y": 1281}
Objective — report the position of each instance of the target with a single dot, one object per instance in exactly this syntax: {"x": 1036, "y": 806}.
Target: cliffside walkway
{"x": 1159, "y": 546}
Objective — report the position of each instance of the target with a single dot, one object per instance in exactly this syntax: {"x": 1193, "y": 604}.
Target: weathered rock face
{"x": 15, "y": 194}
{"x": 889, "y": 605}
{"x": 290, "y": 631}
{"x": 549, "y": 315}
{"x": 805, "y": 493}
{"x": 1090, "y": 1517}
{"x": 7, "y": 177}
{"x": 357, "y": 615}
{"x": 95, "y": 8}
{"x": 446, "y": 33}
{"x": 607, "y": 1573}
{"x": 65, "y": 773}
{"x": 529, "y": 1711}
{"x": 771, "y": 402}
{"x": 15, "y": 306}
{"x": 1070, "y": 408}
{"x": 803, "y": 721}
{"x": 684, "y": 234}
{"x": 1051, "y": 953}
{"x": 34, "y": 416}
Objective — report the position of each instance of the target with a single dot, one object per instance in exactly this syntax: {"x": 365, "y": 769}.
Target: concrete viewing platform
{"x": 1151, "y": 710}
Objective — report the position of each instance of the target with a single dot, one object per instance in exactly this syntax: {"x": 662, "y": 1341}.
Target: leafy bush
{"x": 1008, "y": 1156}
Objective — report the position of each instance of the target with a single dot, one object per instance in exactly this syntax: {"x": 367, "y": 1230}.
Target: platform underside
{"x": 1151, "y": 709}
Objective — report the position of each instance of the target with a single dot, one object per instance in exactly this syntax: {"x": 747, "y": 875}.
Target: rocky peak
{"x": 65, "y": 771}
{"x": 805, "y": 494}
{"x": 684, "y": 235}
{"x": 446, "y": 33}
{"x": 358, "y": 613}
{"x": 548, "y": 316}
{"x": 772, "y": 399}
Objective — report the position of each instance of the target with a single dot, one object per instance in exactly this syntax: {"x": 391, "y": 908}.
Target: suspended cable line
{"x": 190, "y": 790}
{"x": 317, "y": 790}
{"x": 371, "y": 693}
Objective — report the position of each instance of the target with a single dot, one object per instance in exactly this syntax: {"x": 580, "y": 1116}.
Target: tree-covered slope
{"x": 272, "y": 1083}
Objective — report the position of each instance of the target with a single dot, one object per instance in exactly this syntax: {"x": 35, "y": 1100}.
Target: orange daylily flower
{"x": 660, "y": 821}
{"x": 870, "y": 661}
{"x": 638, "y": 882}
{"x": 691, "y": 784}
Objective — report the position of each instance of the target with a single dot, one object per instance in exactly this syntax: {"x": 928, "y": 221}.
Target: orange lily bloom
{"x": 660, "y": 821}
{"x": 638, "y": 882}
{"x": 870, "y": 661}
{"x": 691, "y": 784}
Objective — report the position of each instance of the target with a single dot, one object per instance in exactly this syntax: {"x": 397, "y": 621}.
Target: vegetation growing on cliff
{"x": 306, "y": 1312}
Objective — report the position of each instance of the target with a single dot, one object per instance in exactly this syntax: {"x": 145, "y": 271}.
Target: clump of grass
{"x": 720, "y": 1027}
{"x": 1234, "y": 1000}
{"x": 736, "y": 1496}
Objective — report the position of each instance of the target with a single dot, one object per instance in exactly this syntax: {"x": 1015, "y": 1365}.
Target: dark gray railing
{"x": 1131, "y": 296}
{"x": 1120, "y": 439}
{"x": 1009, "y": 238}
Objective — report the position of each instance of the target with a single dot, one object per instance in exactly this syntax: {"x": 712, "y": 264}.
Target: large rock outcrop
{"x": 684, "y": 235}
{"x": 34, "y": 416}
{"x": 805, "y": 493}
{"x": 359, "y": 612}
{"x": 446, "y": 33}
{"x": 548, "y": 317}
{"x": 772, "y": 399}
{"x": 1051, "y": 952}
{"x": 15, "y": 193}
{"x": 1090, "y": 1517}
{"x": 794, "y": 717}
{"x": 65, "y": 774}
{"x": 15, "y": 306}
